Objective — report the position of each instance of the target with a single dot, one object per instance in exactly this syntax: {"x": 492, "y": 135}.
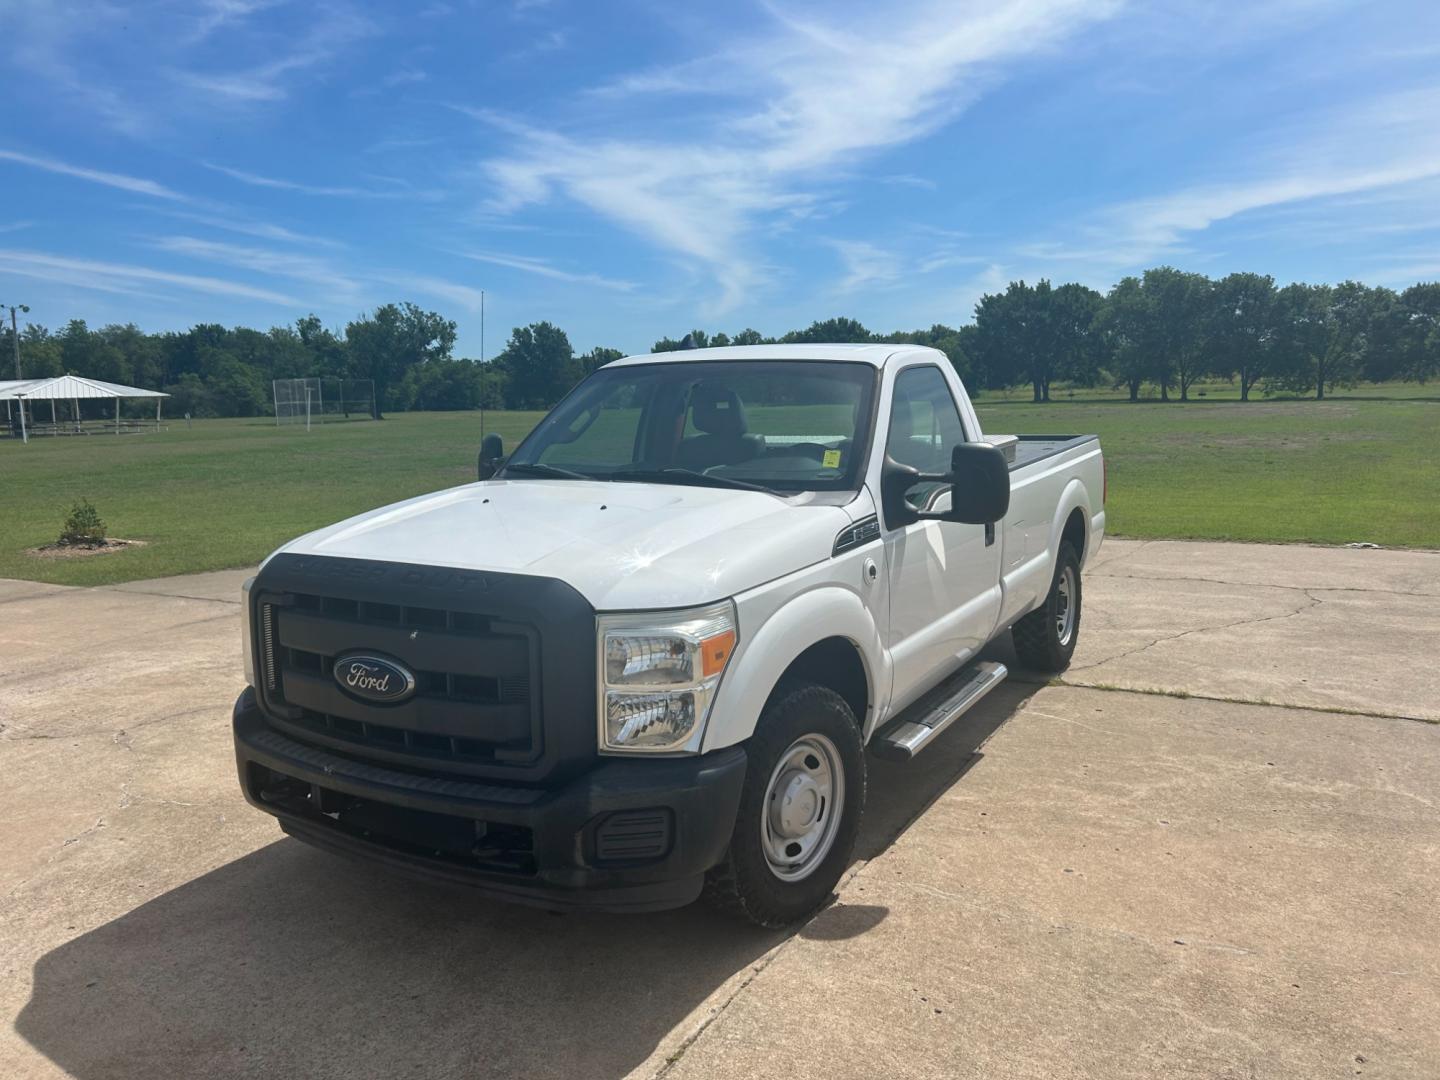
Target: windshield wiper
{"x": 688, "y": 476}
{"x": 537, "y": 468}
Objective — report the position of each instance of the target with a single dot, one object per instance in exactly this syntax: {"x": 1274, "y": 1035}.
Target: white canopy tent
{"x": 71, "y": 388}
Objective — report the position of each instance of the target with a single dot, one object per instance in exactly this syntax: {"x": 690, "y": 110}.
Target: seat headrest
{"x": 717, "y": 411}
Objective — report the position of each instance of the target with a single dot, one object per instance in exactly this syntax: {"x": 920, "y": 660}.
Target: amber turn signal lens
{"x": 715, "y": 653}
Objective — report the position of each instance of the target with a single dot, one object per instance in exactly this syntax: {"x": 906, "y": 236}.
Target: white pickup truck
{"x": 644, "y": 656}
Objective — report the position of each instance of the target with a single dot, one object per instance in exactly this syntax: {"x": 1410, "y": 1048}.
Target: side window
{"x": 924, "y": 425}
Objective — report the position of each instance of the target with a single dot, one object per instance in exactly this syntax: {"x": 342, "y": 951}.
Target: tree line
{"x": 1164, "y": 331}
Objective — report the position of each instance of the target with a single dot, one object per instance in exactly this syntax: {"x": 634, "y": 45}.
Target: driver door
{"x": 944, "y": 576}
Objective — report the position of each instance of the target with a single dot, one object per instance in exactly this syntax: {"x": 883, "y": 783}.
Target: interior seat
{"x": 719, "y": 415}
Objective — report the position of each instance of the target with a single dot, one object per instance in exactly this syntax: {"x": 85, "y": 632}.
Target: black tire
{"x": 1038, "y": 641}
{"x": 744, "y": 882}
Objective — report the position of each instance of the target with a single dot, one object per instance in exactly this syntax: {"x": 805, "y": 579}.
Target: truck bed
{"x": 1032, "y": 448}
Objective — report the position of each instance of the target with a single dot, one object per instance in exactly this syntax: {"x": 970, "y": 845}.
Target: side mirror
{"x": 979, "y": 484}
{"x": 492, "y": 454}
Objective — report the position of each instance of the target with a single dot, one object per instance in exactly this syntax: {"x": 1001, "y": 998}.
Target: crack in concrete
{"x": 1315, "y": 601}
{"x": 1100, "y": 572}
{"x": 115, "y": 735}
{"x": 854, "y": 872}
{"x": 168, "y": 596}
{"x": 1258, "y": 703}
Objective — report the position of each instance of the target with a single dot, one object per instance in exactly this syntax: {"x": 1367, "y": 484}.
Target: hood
{"x": 622, "y": 546}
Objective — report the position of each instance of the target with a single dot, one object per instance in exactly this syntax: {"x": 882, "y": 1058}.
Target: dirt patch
{"x": 80, "y": 551}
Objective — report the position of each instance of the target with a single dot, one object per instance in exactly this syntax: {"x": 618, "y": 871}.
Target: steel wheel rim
{"x": 1065, "y": 591}
{"x": 803, "y": 804}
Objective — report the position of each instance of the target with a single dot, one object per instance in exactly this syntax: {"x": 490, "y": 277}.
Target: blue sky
{"x": 629, "y": 170}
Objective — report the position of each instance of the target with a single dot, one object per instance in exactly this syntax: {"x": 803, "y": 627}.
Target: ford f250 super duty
{"x": 645, "y": 656}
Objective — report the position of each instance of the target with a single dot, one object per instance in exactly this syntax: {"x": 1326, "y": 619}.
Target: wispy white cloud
{"x": 289, "y": 264}
{"x": 329, "y": 283}
{"x": 122, "y": 62}
{"x": 544, "y": 269}
{"x": 279, "y": 184}
{"x": 136, "y": 184}
{"x": 404, "y": 77}
{"x": 866, "y": 265}
{"x": 335, "y": 28}
{"x": 547, "y": 42}
{"x": 824, "y": 88}
{"x": 216, "y": 14}
{"x": 125, "y": 278}
{"x": 1374, "y": 146}
{"x": 464, "y": 296}
{"x": 42, "y": 40}
{"x": 262, "y": 230}
{"x": 910, "y": 180}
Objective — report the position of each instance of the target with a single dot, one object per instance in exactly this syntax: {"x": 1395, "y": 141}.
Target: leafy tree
{"x": 232, "y": 387}
{"x": 1124, "y": 328}
{"x": 539, "y": 365}
{"x": 1022, "y": 336}
{"x": 749, "y": 337}
{"x": 948, "y": 340}
{"x": 1419, "y": 338}
{"x": 698, "y": 338}
{"x": 139, "y": 354}
{"x": 598, "y": 357}
{"x": 1325, "y": 331}
{"x": 189, "y": 396}
{"x": 1179, "y": 307}
{"x": 1073, "y": 309}
{"x": 443, "y": 384}
{"x": 1242, "y": 331}
{"x": 40, "y": 354}
{"x": 385, "y": 345}
{"x": 324, "y": 350}
{"x": 837, "y": 330}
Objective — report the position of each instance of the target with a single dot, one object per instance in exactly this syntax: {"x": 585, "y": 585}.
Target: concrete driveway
{"x": 1213, "y": 850}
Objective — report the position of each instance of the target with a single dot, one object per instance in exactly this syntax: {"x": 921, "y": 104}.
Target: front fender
{"x": 783, "y": 634}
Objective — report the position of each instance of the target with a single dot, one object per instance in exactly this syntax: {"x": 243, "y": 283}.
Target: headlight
{"x": 247, "y": 637}
{"x": 659, "y": 672}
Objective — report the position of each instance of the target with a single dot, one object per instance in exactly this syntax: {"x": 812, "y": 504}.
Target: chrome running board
{"x": 913, "y": 729}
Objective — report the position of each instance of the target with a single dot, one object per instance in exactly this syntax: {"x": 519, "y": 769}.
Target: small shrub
{"x": 83, "y": 525}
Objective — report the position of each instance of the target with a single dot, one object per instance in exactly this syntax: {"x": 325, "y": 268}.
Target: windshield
{"x": 783, "y": 426}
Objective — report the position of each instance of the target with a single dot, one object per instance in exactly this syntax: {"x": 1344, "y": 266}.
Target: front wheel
{"x": 1045, "y": 639}
{"x": 799, "y": 811}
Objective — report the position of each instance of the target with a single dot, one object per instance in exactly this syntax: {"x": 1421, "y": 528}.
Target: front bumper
{"x": 625, "y": 836}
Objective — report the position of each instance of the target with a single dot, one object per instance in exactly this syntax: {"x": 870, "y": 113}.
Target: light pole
{"x": 15, "y": 334}
{"x": 15, "y": 339}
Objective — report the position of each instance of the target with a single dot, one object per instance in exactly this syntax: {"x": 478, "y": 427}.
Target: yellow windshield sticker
{"x": 832, "y": 459}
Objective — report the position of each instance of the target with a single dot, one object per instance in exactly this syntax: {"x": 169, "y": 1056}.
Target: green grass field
{"x": 1362, "y": 467}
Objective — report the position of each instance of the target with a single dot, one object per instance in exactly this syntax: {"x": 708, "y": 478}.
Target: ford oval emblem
{"x": 374, "y": 678}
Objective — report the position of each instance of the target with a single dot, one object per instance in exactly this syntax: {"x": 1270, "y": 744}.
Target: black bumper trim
{"x": 702, "y": 793}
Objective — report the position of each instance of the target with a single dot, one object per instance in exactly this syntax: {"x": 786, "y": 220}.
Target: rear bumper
{"x": 626, "y": 836}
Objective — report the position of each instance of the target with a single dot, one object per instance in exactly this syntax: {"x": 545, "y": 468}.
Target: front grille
{"x": 475, "y": 676}
{"x": 504, "y": 665}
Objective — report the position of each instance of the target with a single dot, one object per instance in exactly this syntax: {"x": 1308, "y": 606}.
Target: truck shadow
{"x": 292, "y": 962}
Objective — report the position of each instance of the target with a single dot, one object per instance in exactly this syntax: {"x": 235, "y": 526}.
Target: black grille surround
{"x": 504, "y": 665}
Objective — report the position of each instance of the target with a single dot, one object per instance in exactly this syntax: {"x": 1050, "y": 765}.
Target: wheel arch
{"x": 825, "y": 636}
{"x": 1071, "y": 522}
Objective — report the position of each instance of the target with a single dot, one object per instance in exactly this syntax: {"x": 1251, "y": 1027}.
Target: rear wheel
{"x": 1045, "y": 639}
{"x": 799, "y": 810}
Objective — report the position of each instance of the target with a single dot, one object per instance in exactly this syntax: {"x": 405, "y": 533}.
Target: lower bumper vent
{"x": 635, "y": 836}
